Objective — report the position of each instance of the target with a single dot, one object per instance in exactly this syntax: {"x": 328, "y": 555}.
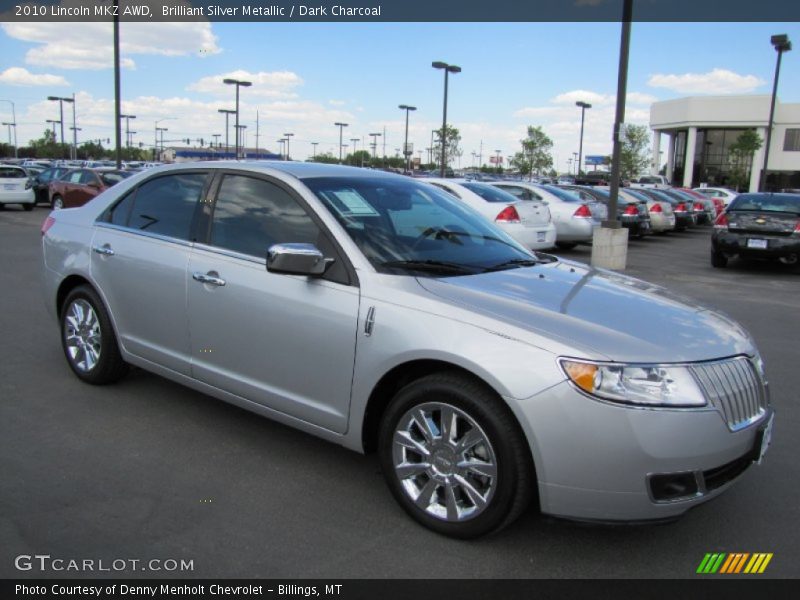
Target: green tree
{"x": 740, "y": 156}
{"x": 535, "y": 156}
{"x": 46, "y": 146}
{"x": 325, "y": 157}
{"x": 452, "y": 151}
{"x": 634, "y": 153}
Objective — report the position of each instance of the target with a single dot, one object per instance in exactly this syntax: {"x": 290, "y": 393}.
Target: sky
{"x": 307, "y": 76}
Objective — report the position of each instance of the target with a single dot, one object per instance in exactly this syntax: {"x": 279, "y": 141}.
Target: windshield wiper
{"x": 437, "y": 266}
{"x": 514, "y": 263}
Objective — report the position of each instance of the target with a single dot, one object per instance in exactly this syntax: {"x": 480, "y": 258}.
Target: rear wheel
{"x": 789, "y": 260}
{"x": 57, "y": 203}
{"x": 454, "y": 457}
{"x": 28, "y": 207}
{"x": 718, "y": 260}
{"x": 88, "y": 338}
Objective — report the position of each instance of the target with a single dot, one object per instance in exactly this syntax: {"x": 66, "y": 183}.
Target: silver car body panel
{"x": 508, "y": 328}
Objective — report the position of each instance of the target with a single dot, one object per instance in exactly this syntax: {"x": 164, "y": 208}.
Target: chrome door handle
{"x": 208, "y": 278}
{"x": 105, "y": 250}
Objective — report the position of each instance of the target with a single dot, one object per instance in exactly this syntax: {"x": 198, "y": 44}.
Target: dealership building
{"x": 700, "y": 130}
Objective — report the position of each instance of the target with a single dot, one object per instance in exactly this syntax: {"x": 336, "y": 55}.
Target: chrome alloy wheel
{"x": 82, "y": 335}
{"x": 444, "y": 461}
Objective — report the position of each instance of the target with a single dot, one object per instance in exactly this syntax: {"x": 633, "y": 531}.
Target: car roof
{"x": 300, "y": 170}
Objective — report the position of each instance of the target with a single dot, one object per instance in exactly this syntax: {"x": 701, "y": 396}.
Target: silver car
{"x": 382, "y": 314}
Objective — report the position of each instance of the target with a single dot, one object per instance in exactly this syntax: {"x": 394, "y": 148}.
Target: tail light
{"x": 656, "y": 208}
{"x": 583, "y": 212}
{"x": 631, "y": 210}
{"x": 721, "y": 222}
{"x": 698, "y": 206}
{"x": 681, "y": 207}
{"x": 29, "y": 183}
{"x": 48, "y": 223}
{"x": 797, "y": 228}
{"x": 508, "y": 215}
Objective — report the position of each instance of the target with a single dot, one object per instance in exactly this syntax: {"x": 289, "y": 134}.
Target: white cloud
{"x": 336, "y": 102}
{"x": 85, "y": 45}
{"x": 716, "y": 81}
{"x": 23, "y": 77}
{"x": 276, "y": 84}
{"x": 582, "y": 95}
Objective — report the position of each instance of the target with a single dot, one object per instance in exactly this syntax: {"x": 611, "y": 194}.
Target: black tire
{"x": 718, "y": 260}
{"x": 508, "y": 493}
{"x": 28, "y": 207}
{"x": 57, "y": 202}
{"x": 108, "y": 366}
{"x": 566, "y": 245}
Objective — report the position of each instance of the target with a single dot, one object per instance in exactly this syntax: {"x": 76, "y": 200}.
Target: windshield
{"x": 401, "y": 225}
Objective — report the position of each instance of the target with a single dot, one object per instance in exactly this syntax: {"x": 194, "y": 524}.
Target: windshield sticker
{"x": 351, "y": 204}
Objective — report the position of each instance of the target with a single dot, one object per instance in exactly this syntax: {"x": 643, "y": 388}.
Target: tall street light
{"x": 341, "y": 126}
{"x": 782, "y": 44}
{"x": 53, "y": 123}
{"x": 282, "y": 142}
{"x": 288, "y": 135}
{"x": 374, "y": 137}
{"x": 227, "y": 112}
{"x": 155, "y": 141}
{"x": 447, "y": 70}
{"x": 162, "y": 130}
{"x": 583, "y": 106}
{"x": 497, "y": 160}
{"x": 314, "y": 150}
{"x": 406, "y": 151}
{"x": 127, "y": 128}
{"x": 14, "y": 120}
{"x": 61, "y": 101}
{"x": 9, "y": 125}
{"x": 355, "y": 145}
{"x": 238, "y": 83}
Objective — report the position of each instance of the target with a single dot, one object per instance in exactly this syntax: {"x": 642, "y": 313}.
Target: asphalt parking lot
{"x": 148, "y": 469}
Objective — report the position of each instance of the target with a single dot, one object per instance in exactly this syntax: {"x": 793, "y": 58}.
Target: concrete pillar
{"x": 671, "y": 156}
{"x": 758, "y": 162}
{"x": 688, "y": 165}
{"x": 610, "y": 248}
{"x": 656, "y": 163}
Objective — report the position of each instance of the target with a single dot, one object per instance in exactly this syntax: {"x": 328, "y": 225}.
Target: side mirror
{"x": 297, "y": 259}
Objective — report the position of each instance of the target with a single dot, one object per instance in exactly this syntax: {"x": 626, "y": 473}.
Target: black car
{"x": 633, "y": 216}
{"x": 41, "y": 183}
{"x": 681, "y": 207}
{"x": 764, "y": 225}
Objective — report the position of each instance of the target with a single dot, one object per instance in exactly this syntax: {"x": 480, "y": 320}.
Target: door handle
{"x": 105, "y": 250}
{"x": 210, "y": 278}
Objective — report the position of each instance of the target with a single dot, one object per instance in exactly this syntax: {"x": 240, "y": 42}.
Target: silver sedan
{"x": 382, "y": 314}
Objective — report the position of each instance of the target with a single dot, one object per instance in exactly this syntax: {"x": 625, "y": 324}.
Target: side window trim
{"x": 324, "y": 230}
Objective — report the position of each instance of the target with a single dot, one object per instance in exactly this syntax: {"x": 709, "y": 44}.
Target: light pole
{"x": 355, "y": 145}
{"x": 447, "y": 70}
{"x": 782, "y": 44}
{"x": 227, "y": 112}
{"x": 216, "y": 137}
{"x": 155, "y": 140}
{"x": 497, "y": 160}
{"x": 10, "y": 125}
{"x": 341, "y": 126}
{"x": 162, "y": 130}
{"x": 576, "y": 164}
{"x": 53, "y": 123}
{"x": 238, "y": 83}
{"x": 314, "y": 150}
{"x": 374, "y": 137}
{"x": 14, "y": 121}
{"x": 583, "y": 106}
{"x": 61, "y": 101}
{"x": 288, "y": 135}
{"x": 281, "y": 141}
{"x": 75, "y": 131}
{"x": 406, "y": 151}
{"x": 127, "y": 128}
{"x": 241, "y": 133}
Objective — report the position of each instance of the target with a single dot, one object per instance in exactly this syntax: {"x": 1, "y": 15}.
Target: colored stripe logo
{"x": 734, "y": 563}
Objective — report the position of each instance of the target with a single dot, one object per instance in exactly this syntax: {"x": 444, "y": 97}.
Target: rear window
{"x": 789, "y": 203}
{"x": 12, "y": 173}
{"x": 489, "y": 192}
{"x": 565, "y": 195}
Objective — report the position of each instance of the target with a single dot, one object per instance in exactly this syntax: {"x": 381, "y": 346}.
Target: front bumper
{"x": 733, "y": 243}
{"x": 596, "y": 460}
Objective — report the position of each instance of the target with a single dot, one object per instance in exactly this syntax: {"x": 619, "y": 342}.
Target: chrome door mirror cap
{"x": 297, "y": 259}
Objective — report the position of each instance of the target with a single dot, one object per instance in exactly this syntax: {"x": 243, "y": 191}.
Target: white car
{"x": 16, "y": 187}
{"x": 527, "y": 222}
{"x": 574, "y": 219}
{"x": 714, "y": 192}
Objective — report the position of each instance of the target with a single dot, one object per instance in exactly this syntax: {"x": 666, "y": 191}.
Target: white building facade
{"x": 699, "y": 131}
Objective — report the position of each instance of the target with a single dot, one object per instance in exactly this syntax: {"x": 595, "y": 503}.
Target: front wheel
{"x": 88, "y": 338}
{"x": 454, "y": 457}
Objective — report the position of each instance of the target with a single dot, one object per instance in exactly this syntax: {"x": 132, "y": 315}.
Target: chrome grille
{"x": 734, "y": 388}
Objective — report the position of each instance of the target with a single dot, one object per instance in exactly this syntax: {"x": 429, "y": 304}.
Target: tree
{"x": 740, "y": 156}
{"x": 325, "y": 157}
{"x": 634, "y": 153}
{"x": 535, "y": 156}
{"x": 452, "y": 151}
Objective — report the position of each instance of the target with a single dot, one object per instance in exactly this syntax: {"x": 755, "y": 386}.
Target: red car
{"x": 78, "y": 186}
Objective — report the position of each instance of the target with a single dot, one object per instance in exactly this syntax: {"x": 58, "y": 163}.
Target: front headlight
{"x": 648, "y": 385}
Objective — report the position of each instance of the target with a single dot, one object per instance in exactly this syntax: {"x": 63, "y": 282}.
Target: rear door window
{"x": 166, "y": 205}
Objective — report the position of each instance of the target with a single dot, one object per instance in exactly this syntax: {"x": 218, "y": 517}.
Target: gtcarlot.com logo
{"x": 734, "y": 563}
{"x": 45, "y": 562}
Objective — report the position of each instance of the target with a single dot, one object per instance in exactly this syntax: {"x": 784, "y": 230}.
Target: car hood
{"x": 601, "y": 314}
